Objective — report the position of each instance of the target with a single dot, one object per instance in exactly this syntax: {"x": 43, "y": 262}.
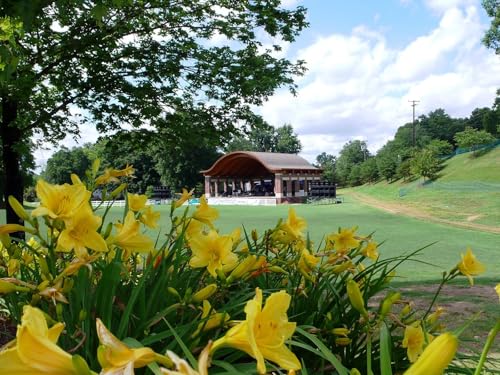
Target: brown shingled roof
{"x": 259, "y": 164}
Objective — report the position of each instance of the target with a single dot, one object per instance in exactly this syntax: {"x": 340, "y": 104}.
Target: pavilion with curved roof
{"x": 246, "y": 174}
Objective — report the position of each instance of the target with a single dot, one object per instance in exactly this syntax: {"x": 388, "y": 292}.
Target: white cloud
{"x": 441, "y": 6}
{"x": 358, "y": 87}
{"x": 290, "y": 3}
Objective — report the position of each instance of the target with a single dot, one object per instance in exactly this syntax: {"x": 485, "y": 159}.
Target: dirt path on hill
{"x": 400, "y": 209}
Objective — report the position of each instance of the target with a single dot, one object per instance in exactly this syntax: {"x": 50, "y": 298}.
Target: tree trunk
{"x": 11, "y": 138}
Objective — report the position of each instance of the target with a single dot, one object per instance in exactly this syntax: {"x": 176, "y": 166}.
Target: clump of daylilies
{"x": 93, "y": 290}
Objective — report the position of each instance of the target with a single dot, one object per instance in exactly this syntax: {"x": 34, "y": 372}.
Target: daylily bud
{"x": 340, "y": 331}
{"x": 43, "y": 285}
{"x": 68, "y": 285}
{"x": 6, "y": 287}
{"x": 386, "y": 305}
{"x": 255, "y": 237}
{"x": 95, "y": 166}
{"x": 354, "y": 371}
{"x": 436, "y": 357}
{"x": 5, "y": 239}
{"x": 221, "y": 274}
{"x": 18, "y": 208}
{"x": 107, "y": 232}
{"x": 82, "y": 315}
{"x": 277, "y": 269}
{"x": 59, "y": 311}
{"x": 81, "y": 367}
{"x": 342, "y": 267}
{"x": 118, "y": 190}
{"x": 174, "y": 292}
{"x": 242, "y": 268}
{"x": 204, "y": 293}
{"x": 356, "y": 297}
{"x": 13, "y": 266}
{"x": 75, "y": 179}
{"x": 405, "y": 310}
{"x": 12, "y": 228}
{"x": 44, "y": 266}
{"x": 342, "y": 341}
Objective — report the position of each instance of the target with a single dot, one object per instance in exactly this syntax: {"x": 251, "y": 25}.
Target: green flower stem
{"x": 443, "y": 281}
{"x": 487, "y": 346}
{"x": 369, "y": 354}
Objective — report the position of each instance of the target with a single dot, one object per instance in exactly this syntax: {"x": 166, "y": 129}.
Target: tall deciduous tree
{"x": 352, "y": 153}
{"x": 133, "y": 63}
{"x": 64, "y": 162}
{"x": 492, "y": 36}
{"x": 265, "y": 138}
{"x": 327, "y": 162}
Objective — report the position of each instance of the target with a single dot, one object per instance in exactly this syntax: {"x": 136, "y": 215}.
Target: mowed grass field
{"x": 468, "y": 190}
{"x": 399, "y": 234}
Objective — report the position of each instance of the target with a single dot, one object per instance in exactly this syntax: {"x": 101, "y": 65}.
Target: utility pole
{"x": 414, "y": 104}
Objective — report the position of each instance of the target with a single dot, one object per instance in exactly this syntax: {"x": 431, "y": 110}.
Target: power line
{"x": 414, "y": 103}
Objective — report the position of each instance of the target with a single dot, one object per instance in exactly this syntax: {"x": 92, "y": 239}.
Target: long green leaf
{"x": 329, "y": 356}
{"x": 187, "y": 352}
{"x": 385, "y": 350}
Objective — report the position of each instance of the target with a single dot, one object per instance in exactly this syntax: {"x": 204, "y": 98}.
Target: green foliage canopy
{"x": 140, "y": 63}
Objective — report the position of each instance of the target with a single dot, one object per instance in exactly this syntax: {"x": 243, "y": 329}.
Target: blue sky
{"x": 366, "y": 59}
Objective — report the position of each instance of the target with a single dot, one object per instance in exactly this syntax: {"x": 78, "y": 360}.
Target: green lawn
{"x": 401, "y": 234}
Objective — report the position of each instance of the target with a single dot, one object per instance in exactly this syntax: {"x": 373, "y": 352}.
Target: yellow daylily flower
{"x": 81, "y": 233}
{"x": 129, "y": 238}
{"x": 470, "y": 266}
{"x": 212, "y": 251}
{"x": 193, "y": 229}
{"x": 35, "y": 350}
{"x": 413, "y": 341}
{"x": 54, "y": 293}
{"x": 184, "y": 197}
{"x": 111, "y": 175}
{"x": 294, "y": 225}
{"x": 307, "y": 263}
{"x": 150, "y": 218}
{"x": 136, "y": 202}
{"x": 436, "y": 357}
{"x": 264, "y": 332}
{"x": 60, "y": 201}
{"x": 497, "y": 289}
{"x": 342, "y": 241}
{"x": 204, "y": 213}
{"x": 117, "y": 358}
{"x": 432, "y": 318}
{"x": 370, "y": 250}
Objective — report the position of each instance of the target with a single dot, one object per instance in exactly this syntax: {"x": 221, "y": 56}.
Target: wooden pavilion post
{"x": 207, "y": 186}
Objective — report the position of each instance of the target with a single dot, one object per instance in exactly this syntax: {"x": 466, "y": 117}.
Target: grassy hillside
{"x": 485, "y": 168}
{"x": 468, "y": 190}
